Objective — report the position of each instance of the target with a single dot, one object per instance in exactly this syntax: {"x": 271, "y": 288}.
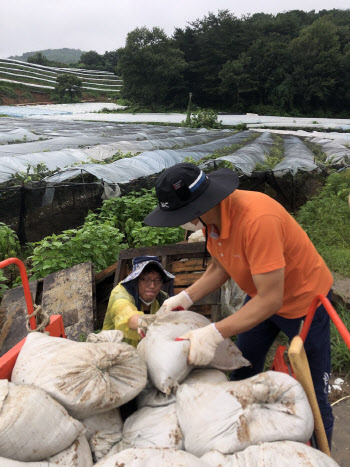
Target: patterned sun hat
{"x": 140, "y": 262}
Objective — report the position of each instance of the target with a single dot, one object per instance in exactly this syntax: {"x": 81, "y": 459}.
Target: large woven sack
{"x": 103, "y": 431}
{"x": 155, "y": 457}
{"x": 279, "y": 453}
{"x": 76, "y": 455}
{"x": 151, "y": 397}
{"x": 33, "y": 426}
{"x": 231, "y": 416}
{"x": 166, "y": 358}
{"x": 151, "y": 427}
{"x": 86, "y": 378}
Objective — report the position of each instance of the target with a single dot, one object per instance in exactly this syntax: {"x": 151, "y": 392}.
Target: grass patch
{"x": 326, "y": 220}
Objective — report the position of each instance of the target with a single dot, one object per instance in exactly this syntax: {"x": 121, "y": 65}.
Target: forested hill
{"x": 65, "y": 55}
{"x": 294, "y": 62}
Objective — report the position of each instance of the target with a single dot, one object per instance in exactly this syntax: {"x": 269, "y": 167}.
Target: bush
{"x": 99, "y": 244}
{"x": 117, "y": 225}
{"x": 9, "y": 244}
{"x": 203, "y": 119}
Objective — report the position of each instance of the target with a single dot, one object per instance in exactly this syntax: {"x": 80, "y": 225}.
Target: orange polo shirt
{"x": 257, "y": 236}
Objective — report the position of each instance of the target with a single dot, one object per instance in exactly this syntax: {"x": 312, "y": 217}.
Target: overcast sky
{"x": 30, "y": 25}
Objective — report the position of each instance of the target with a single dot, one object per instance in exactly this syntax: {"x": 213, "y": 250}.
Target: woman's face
{"x": 149, "y": 285}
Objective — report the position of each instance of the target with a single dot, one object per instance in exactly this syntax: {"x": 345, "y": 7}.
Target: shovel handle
{"x": 300, "y": 365}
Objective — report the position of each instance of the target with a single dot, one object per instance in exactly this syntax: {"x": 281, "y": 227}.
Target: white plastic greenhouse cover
{"x": 296, "y": 156}
{"x": 247, "y": 157}
{"x": 336, "y": 151}
{"x": 147, "y": 163}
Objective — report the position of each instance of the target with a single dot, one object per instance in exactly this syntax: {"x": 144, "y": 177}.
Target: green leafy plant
{"x": 33, "y": 173}
{"x": 3, "y": 286}
{"x": 203, "y": 119}
{"x": 141, "y": 235}
{"x": 98, "y": 243}
{"x": 9, "y": 244}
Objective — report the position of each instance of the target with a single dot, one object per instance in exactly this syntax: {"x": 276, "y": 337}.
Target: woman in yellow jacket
{"x": 137, "y": 297}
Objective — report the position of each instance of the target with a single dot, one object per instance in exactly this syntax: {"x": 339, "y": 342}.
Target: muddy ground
{"x": 340, "y": 400}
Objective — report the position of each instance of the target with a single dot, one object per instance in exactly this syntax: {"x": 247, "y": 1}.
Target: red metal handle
{"x": 332, "y": 314}
{"x": 26, "y": 289}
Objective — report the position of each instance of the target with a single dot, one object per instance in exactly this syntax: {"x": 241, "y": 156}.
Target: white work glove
{"x": 181, "y": 301}
{"x": 203, "y": 344}
{"x": 143, "y": 322}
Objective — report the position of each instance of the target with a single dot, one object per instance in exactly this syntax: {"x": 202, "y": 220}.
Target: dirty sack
{"x": 152, "y": 397}
{"x": 205, "y": 375}
{"x": 152, "y": 457}
{"x": 76, "y": 455}
{"x": 270, "y": 406}
{"x": 86, "y": 378}
{"x": 166, "y": 358}
{"x": 103, "y": 431}
{"x": 279, "y": 453}
{"x": 33, "y": 426}
{"x": 151, "y": 427}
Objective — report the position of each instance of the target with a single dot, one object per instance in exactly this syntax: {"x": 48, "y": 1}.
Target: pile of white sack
{"x": 62, "y": 407}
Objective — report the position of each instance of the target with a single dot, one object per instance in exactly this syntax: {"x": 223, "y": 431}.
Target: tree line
{"x": 292, "y": 63}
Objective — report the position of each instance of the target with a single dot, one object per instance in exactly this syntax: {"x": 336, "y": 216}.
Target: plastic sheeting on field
{"x": 296, "y": 156}
{"x": 19, "y": 134}
{"x": 64, "y": 147}
{"x": 338, "y": 152}
{"x": 246, "y": 158}
{"x": 147, "y": 163}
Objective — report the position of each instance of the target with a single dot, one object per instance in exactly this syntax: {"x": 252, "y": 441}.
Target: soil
{"x": 39, "y": 97}
{"x": 340, "y": 400}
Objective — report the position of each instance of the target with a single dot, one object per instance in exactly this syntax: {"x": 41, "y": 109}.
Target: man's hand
{"x": 180, "y": 301}
{"x": 143, "y": 322}
{"x": 203, "y": 344}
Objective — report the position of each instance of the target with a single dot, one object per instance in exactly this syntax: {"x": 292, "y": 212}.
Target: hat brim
{"x": 223, "y": 182}
{"x": 135, "y": 274}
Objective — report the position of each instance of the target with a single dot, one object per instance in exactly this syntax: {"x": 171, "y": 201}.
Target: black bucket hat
{"x": 185, "y": 192}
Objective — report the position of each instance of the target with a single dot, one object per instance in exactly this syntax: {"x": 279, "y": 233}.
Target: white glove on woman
{"x": 179, "y": 301}
{"x": 203, "y": 344}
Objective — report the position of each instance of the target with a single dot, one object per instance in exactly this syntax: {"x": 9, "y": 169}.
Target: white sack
{"x": 33, "y": 426}
{"x": 231, "y": 416}
{"x": 152, "y": 458}
{"x": 151, "y": 397}
{"x": 205, "y": 375}
{"x": 86, "y": 378}
{"x": 166, "y": 358}
{"x": 279, "y": 453}
{"x": 77, "y": 455}
{"x": 103, "y": 431}
{"x": 149, "y": 428}
{"x": 105, "y": 336}
{"x": 106, "y": 421}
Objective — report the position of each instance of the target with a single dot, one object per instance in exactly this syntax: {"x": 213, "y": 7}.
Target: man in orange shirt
{"x": 254, "y": 240}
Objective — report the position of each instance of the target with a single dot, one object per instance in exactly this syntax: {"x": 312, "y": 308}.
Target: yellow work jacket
{"x": 121, "y": 307}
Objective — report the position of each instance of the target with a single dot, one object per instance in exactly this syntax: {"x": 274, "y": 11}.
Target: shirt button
{"x": 221, "y": 254}
{"x": 219, "y": 243}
